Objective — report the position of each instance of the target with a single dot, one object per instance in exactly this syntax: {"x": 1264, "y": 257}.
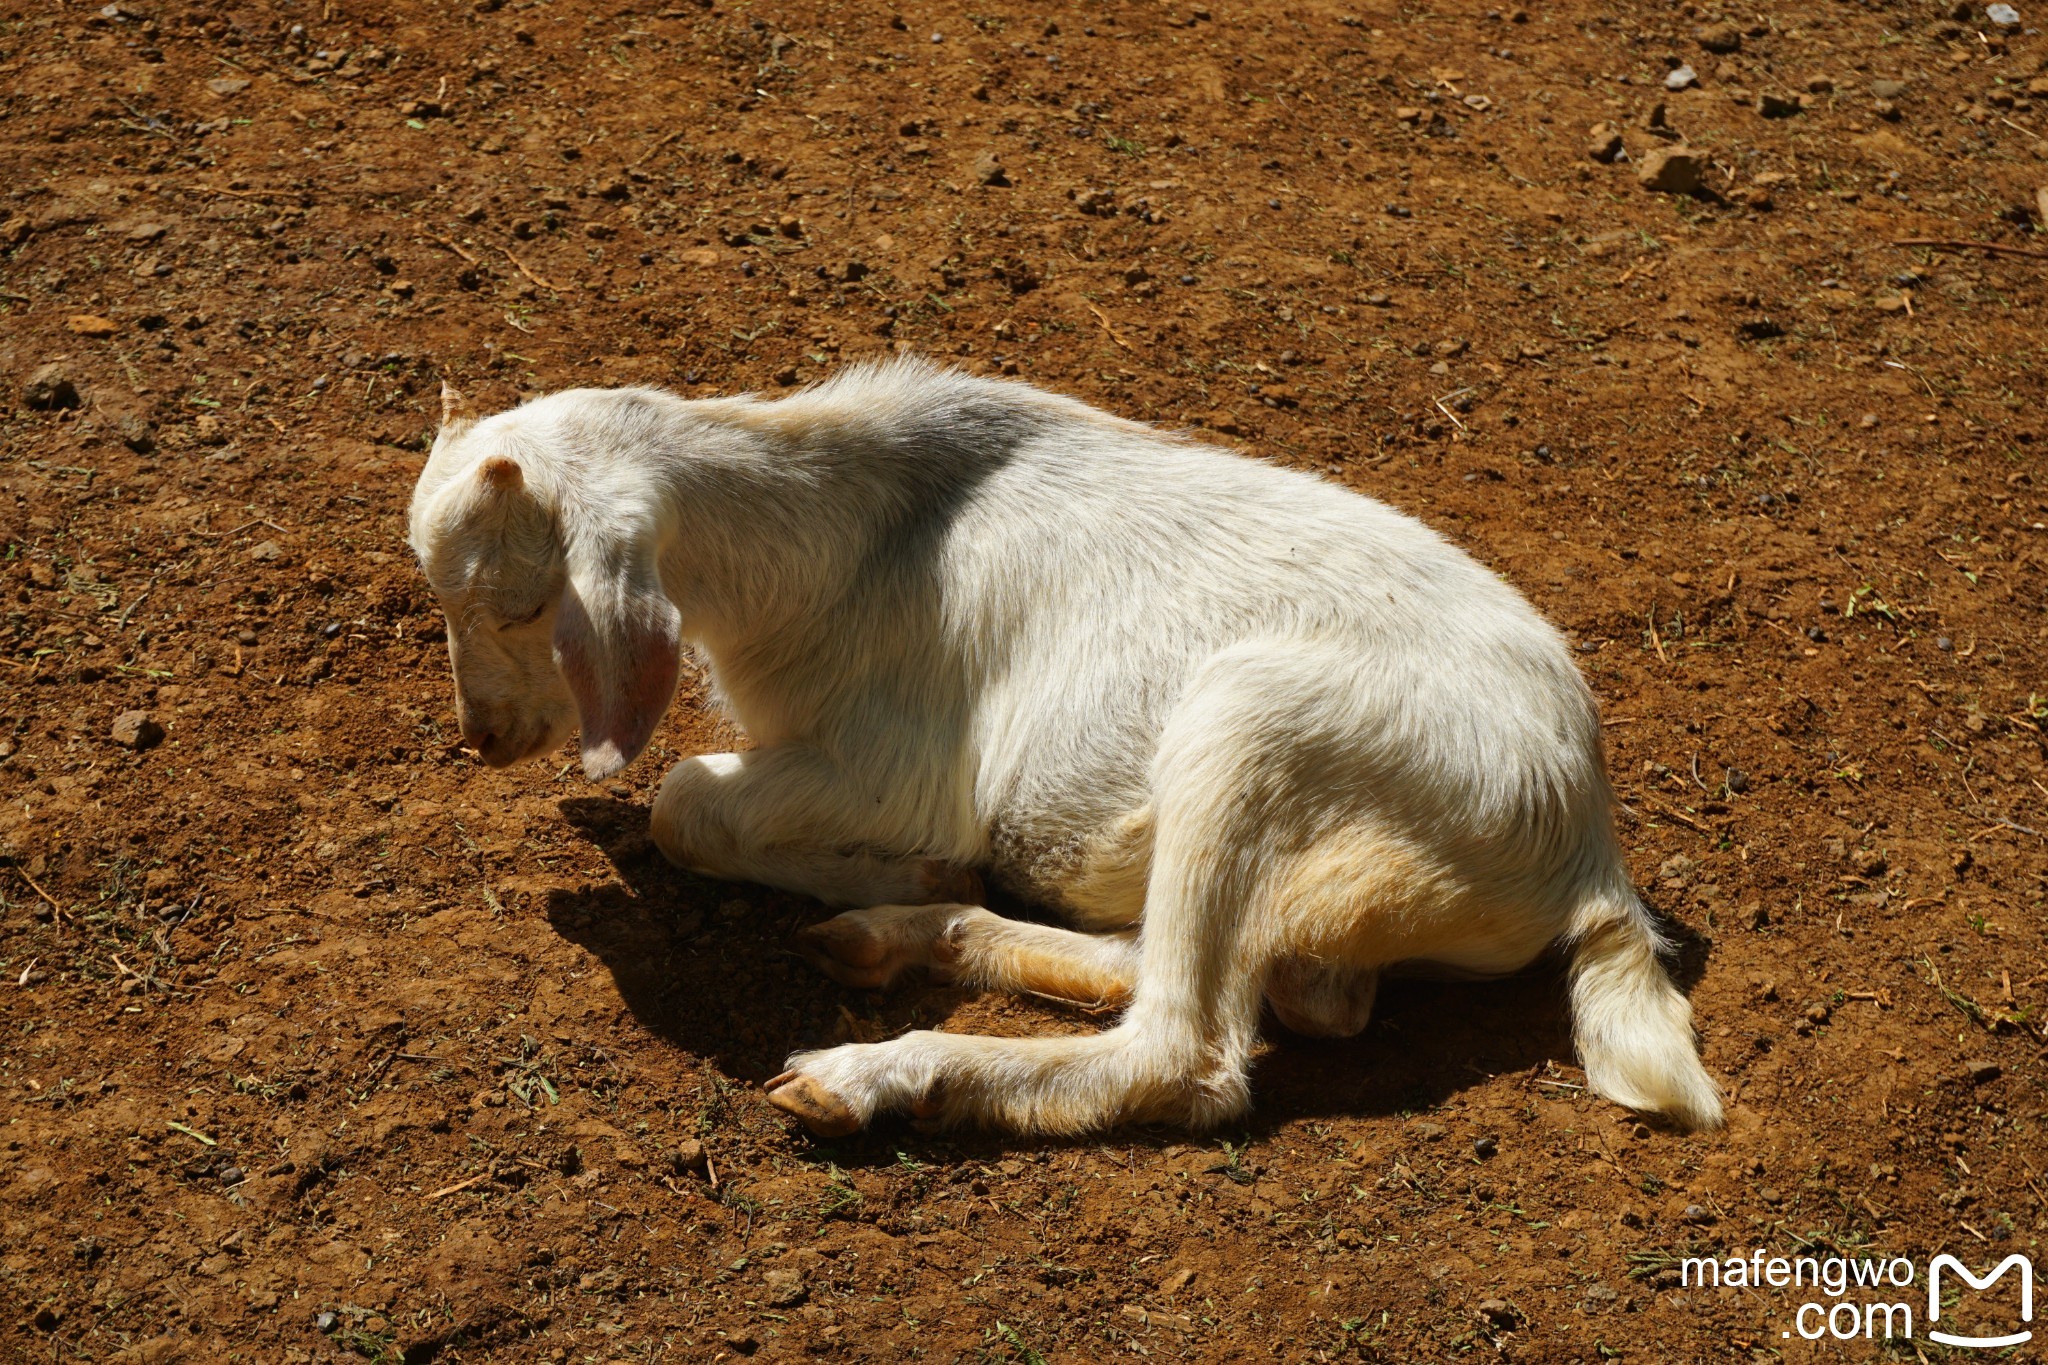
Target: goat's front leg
{"x": 970, "y": 946}
{"x": 788, "y": 817}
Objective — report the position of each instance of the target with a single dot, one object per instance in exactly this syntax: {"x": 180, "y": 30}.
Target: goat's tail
{"x": 1633, "y": 1027}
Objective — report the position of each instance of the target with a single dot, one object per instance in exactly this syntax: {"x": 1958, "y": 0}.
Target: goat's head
{"x": 555, "y": 608}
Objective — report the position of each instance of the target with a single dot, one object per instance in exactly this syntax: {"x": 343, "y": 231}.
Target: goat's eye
{"x": 525, "y": 620}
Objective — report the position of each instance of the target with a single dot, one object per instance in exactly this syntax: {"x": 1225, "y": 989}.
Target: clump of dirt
{"x": 326, "y": 1043}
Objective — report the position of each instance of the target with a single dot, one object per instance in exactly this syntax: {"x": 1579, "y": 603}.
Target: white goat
{"x": 1252, "y": 734}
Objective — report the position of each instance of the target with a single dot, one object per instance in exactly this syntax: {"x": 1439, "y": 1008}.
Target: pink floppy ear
{"x": 618, "y": 642}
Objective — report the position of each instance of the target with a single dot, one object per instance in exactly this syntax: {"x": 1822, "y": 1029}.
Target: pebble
{"x": 91, "y": 325}
{"x": 786, "y": 1288}
{"x": 1983, "y": 1072}
{"x": 988, "y": 170}
{"x": 1722, "y": 37}
{"x": 137, "y": 730}
{"x": 689, "y": 1158}
{"x": 49, "y": 388}
{"x": 1603, "y": 144}
{"x": 1484, "y": 1147}
{"x": 136, "y": 433}
{"x": 1887, "y": 89}
{"x": 1499, "y": 1311}
{"x": 2005, "y": 16}
{"x": 227, "y": 86}
{"x": 1684, "y": 78}
{"x": 1778, "y": 106}
{"x": 265, "y": 550}
{"x": 324, "y": 1322}
{"x": 1672, "y": 170}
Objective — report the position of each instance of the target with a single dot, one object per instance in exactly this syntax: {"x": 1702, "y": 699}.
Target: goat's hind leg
{"x": 1181, "y": 1051}
{"x": 1322, "y": 999}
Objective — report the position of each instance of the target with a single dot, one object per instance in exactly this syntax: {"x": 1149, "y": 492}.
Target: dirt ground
{"x": 324, "y": 1043}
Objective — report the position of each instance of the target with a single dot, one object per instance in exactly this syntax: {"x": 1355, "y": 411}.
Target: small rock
{"x": 1770, "y": 1196}
{"x": 786, "y": 376}
{"x": 146, "y": 232}
{"x": 1498, "y": 1311}
{"x": 1677, "y": 869}
{"x": 1673, "y": 170}
{"x": 786, "y": 1288}
{"x": 1684, "y": 78}
{"x": 1427, "y": 1131}
{"x": 1694, "y": 1213}
{"x": 265, "y": 551}
{"x": 50, "y": 388}
{"x": 988, "y": 170}
{"x": 324, "y": 1322}
{"x": 227, "y": 87}
{"x": 2005, "y": 16}
{"x": 1887, "y": 89}
{"x": 1720, "y": 38}
{"x": 1738, "y": 780}
{"x": 1603, "y": 144}
{"x": 1484, "y": 1147}
{"x": 1778, "y": 106}
{"x": 137, "y": 730}
{"x": 688, "y": 1158}
{"x": 1983, "y": 1072}
{"x": 91, "y": 325}
{"x": 136, "y": 433}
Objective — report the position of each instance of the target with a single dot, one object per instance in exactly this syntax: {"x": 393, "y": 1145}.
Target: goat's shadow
{"x": 704, "y": 965}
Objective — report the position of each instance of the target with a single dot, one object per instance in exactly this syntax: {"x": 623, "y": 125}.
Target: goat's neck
{"x": 765, "y": 531}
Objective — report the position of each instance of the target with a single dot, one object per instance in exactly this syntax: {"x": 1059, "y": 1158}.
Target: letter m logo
{"x": 1947, "y": 1262}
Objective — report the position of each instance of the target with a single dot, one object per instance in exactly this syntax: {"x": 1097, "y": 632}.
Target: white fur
{"x": 1285, "y": 734}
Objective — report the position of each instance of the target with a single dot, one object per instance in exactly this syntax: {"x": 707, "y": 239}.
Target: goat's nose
{"x": 486, "y": 742}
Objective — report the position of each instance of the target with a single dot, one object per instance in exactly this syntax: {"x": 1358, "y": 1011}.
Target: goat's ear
{"x": 457, "y": 416}
{"x": 618, "y": 642}
{"x": 501, "y": 475}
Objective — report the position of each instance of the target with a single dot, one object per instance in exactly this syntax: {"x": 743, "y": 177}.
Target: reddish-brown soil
{"x": 322, "y": 1042}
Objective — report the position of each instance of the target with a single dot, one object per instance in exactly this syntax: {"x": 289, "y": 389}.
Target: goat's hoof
{"x": 812, "y": 1105}
{"x": 945, "y": 884}
{"x": 947, "y": 948}
{"x": 847, "y": 949}
{"x": 927, "y": 1111}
